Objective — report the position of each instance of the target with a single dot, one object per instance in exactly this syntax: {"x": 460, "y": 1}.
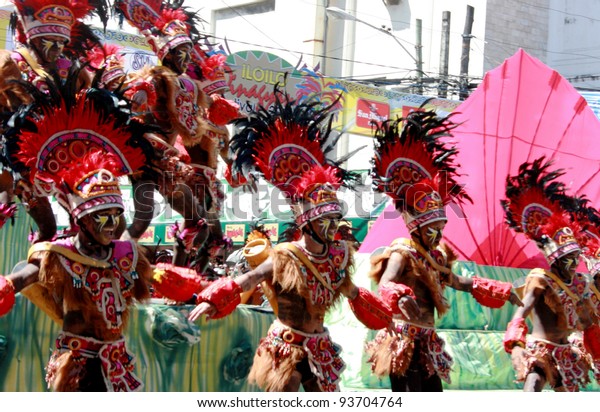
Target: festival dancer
{"x": 537, "y": 206}
{"x": 183, "y": 110}
{"x": 418, "y": 172}
{"x": 108, "y": 62}
{"x": 87, "y": 283}
{"x": 286, "y": 144}
{"x": 589, "y": 221}
{"x": 49, "y": 41}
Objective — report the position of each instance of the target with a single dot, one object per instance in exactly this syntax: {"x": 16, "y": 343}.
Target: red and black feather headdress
{"x": 415, "y": 168}
{"x": 288, "y": 145}
{"x": 37, "y": 18}
{"x": 76, "y": 144}
{"x": 589, "y": 220}
{"x": 164, "y": 24}
{"x": 537, "y": 205}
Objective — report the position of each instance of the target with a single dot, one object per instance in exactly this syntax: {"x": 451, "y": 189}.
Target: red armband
{"x": 224, "y": 294}
{"x": 490, "y": 293}
{"x": 222, "y": 111}
{"x": 370, "y": 310}
{"x": 515, "y": 334}
{"x": 591, "y": 341}
{"x": 392, "y": 292}
{"x": 7, "y": 295}
{"x": 176, "y": 283}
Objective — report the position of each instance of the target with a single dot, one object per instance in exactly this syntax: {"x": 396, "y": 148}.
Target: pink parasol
{"x": 521, "y": 111}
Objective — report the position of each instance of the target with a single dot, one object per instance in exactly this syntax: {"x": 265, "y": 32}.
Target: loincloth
{"x": 391, "y": 353}
{"x": 67, "y": 367}
{"x": 576, "y": 339}
{"x": 562, "y": 364}
{"x": 283, "y": 348}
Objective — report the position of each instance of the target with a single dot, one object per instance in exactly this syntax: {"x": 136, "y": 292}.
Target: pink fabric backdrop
{"x": 522, "y": 110}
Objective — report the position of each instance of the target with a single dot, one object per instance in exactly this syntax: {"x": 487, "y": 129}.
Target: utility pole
{"x": 464, "y": 58}
{"x": 419, "y": 55}
{"x": 444, "y": 55}
{"x": 334, "y": 43}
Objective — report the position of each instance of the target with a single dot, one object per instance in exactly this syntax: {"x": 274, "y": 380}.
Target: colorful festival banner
{"x": 136, "y": 51}
{"x": 272, "y": 230}
{"x": 255, "y": 73}
{"x": 236, "y": 232}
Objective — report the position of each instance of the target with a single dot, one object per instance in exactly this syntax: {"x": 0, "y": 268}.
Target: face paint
{"x": 183, "y": 57}
{"x": 52, "y": 48}
{"x": 329, "y": 224}
{"x": 433, "y": 235}
{"x": 179, "y": 58}
{"x": 327, "y": 228}
{"x": 106, "y": 220}
{"x": 568, "y": 263}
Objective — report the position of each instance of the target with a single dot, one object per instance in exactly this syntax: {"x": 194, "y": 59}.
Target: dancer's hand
{"x": 409, "y": 308}
{"x": 204, "y": 308}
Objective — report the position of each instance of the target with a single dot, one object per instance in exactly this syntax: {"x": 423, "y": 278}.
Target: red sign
{"x": 369, "y": 110}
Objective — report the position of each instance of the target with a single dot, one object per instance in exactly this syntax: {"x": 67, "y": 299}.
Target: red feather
{"x": 558, "y": 221}
{"x": 98, "y": 55}
{"x": 82, "y": 119}
{"x": 168, "y": 15}
{"x": 301, "y": 155}
{"x": 92, "y": 161}
{"x": 222, "y": 111}
{"x": 317, "y": 176}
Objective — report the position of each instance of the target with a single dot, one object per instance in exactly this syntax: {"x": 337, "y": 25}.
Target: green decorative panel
{"x": 173, "y": 355}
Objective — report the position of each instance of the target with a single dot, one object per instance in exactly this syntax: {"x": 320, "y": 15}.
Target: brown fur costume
{"x": 417, "y": 270}
{"x": 11, "y": 95}
{"x": 273, "y": 367}
{"x": 56, "y": 295}
{"x": 165, "y": 112}
{"x": 537, "y": 280}
{"x": 392, "y": 353}
{"x": 56, "y": 281}
{"x": 382, "y": 354}
{"x": 540, "y": 354}
{"x": 546, "y": 356}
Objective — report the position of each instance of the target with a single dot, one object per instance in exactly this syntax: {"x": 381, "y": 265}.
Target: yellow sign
{"x": 273, "y": 230}
{"x": 169, "y": 238}
{"x": 254, "y": 74}
{"x": 148, "y": 235}
{"x": 236, "y": 232}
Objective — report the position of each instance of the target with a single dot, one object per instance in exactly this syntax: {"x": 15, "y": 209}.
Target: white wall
{"x": 515, "y": 24}
{"x": 574, "y": 41}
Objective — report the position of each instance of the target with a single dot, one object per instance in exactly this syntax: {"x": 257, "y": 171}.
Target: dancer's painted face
{"x": 432, "y": 234}
{"x": 568, "y": 264}
{"x": 326, "y": 227}
{"x": 180, "y": 57}
{"x": 49, "y": 48}
{"x": 102, "y": 225}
